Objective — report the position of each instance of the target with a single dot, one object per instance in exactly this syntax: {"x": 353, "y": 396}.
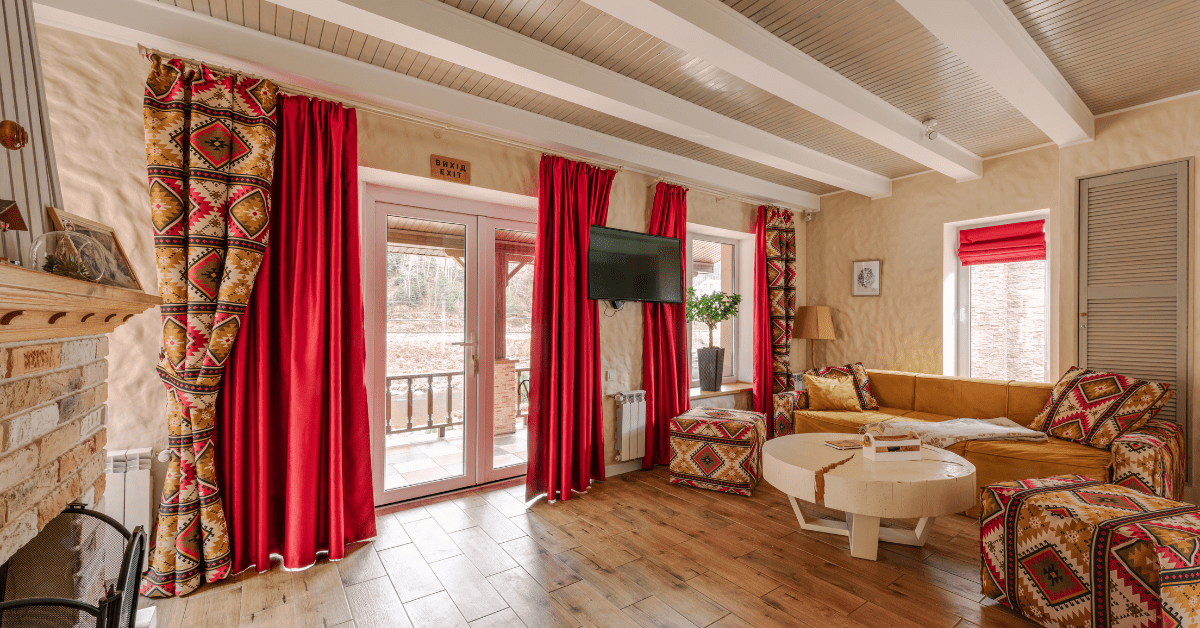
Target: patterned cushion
{"x": 862, "y": 383}
{"x": 1072, "y": 551}
{"x": 1093, "y": 408}
{"x": 1150, "y": 459}
{"x": 718, "y": 449}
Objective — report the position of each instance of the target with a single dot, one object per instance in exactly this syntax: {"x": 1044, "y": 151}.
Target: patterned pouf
{"x": 718, "y": 449}
{"x": 1072, "y": 551}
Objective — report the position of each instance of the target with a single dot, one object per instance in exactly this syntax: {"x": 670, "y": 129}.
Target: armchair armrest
{"x": 1150, "y": 459}
{"x": 785, "y": 404}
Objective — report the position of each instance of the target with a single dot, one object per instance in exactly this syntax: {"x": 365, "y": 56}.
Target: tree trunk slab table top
{"x": 808, "y": 470}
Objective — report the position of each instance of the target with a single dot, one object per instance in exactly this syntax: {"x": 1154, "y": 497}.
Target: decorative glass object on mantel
{"x": 71, "y": 254}
{"x": 711, "y": 309}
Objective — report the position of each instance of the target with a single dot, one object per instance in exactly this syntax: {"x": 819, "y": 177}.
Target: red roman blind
{"x": 1000, "y": 244}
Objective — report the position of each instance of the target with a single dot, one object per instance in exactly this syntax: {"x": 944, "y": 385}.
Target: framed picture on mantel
{"x": 122, "y": 274}
{"x": 866, "y": 279}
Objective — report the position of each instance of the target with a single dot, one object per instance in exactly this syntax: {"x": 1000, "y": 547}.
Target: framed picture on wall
{"x": 122, "y": 274}
{"x": 866, "y": 279}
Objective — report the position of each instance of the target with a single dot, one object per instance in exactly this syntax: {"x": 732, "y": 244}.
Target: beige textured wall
{"x": 97, "y": 126}
{"x": 391, "y": 144}
{"x": 94, "y": 93}
{"x": 901, "y": 329}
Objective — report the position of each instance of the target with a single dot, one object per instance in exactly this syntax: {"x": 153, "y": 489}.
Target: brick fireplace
{"x": 53, "y": 372}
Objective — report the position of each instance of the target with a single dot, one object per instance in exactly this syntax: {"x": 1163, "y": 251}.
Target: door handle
{"x": 462, "y": 344}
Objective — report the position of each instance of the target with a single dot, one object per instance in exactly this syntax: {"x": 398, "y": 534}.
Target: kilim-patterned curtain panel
{"x": 780, "y": 244}
{"x": 210, "y": 147}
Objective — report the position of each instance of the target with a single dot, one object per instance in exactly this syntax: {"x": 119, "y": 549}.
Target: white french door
{"x": 449, "y": 297}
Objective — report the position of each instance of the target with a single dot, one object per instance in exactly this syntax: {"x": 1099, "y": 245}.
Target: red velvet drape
{"x": 566, "y": 418}
{"x": 665, "y": 350}
{"x": 295, "y": 457}
{"x": 762, "y": 318}
{"x": 1000, "y": 244}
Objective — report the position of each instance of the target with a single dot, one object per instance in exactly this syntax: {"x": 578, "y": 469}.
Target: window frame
{"x": 962, "y": 297}
{"x": 692, "y": 236}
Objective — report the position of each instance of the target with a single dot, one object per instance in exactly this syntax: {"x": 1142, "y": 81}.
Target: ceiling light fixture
{"x": 929, "y": 130}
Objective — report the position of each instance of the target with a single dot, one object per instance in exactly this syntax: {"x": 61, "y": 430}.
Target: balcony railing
{"x": 432, "y": 420}
{"x": 522, "y": 391}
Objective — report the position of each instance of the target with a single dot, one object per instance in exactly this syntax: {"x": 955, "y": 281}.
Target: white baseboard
{"x": 622, "y": 467}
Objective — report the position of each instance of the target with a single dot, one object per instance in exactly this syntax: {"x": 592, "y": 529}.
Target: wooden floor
{"x": 633, "y": 551}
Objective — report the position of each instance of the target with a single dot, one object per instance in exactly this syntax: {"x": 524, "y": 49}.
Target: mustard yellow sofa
{"x": 1149, "y": 459}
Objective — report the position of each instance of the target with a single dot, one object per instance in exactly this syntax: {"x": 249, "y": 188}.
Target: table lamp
{"x": 814, "y": 322}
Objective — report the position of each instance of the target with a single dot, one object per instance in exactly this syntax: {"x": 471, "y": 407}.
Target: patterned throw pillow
{"x": 862, "y": 383}
{"x": 1093, "y": 408}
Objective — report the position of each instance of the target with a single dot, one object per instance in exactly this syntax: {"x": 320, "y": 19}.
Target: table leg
{"x": 864, "y": 536}
{"x": 812, "y": 524}
{"x": 868, "y": 528}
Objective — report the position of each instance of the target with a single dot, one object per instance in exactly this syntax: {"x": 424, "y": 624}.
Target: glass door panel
{"x": 426, "y": 354}
{"x": 514, "y": 310}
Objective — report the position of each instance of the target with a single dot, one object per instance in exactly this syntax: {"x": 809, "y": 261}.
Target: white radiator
{"x": 631, "y": 424}
{"x": 127, "y": 496}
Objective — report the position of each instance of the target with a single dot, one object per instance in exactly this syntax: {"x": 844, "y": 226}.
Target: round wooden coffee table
{"x": 804, "y": 467}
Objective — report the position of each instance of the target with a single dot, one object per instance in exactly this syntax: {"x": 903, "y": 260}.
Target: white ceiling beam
{"x": 988, "y": 37}
{"x": 729, "y": 40}
{"x": 186, "y": 33}
{"x": 442, "y": 31}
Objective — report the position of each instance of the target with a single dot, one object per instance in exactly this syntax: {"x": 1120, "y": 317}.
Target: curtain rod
{"x": 296, "y": 90}
{"x": 725, "y": 196}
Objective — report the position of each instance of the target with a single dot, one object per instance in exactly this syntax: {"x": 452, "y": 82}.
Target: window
{"x": 712, "y": 264}
{"x": 1002, "y": 298}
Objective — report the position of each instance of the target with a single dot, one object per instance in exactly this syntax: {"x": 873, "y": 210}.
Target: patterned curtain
{"x": 780, "y": 241}
{"x": 210, "y": 146}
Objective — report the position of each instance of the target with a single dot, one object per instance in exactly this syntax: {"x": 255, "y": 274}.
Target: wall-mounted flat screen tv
{"x": 632, "y": 266}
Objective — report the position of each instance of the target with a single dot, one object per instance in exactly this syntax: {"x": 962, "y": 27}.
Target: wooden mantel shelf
{"x": 36, "y": 305}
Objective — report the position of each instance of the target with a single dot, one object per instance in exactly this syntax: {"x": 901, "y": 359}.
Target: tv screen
{"x": 631, "y": 266}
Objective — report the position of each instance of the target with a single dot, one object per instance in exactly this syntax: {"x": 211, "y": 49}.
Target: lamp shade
{"x": 815, "y": 322}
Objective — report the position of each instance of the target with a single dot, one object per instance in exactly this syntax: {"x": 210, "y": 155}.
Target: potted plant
{"x": 710, "y": 309}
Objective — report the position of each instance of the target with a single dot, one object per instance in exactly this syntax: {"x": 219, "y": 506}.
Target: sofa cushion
{"x": 893, "y": 389}
{"x": 811, "y": 421}
{"x": 862, "y": 382}
{"x": 962, "y": 398}
{"x": 929, "y": 416}
{"x": 1095, "y": 408}
{"x": 1004, "y": 461}
{"x": 1026, "y": 400}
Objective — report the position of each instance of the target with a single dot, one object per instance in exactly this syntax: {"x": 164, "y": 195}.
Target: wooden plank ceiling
{"x": 1118, "y": 53}
{"x": 282, "y": 22}
{"x": 877, "y": 44}
{"x": 1115, "y": 53}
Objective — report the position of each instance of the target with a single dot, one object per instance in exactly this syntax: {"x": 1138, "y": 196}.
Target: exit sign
{"x": 448, "y": 169}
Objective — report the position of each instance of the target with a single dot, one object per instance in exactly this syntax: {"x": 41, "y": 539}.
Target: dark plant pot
{"x": 712, "y": 364}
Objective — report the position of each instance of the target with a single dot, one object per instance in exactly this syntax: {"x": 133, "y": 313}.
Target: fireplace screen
{"x": 80, "y": 571}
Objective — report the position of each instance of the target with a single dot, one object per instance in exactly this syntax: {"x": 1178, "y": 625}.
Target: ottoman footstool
{"x": 718, "y": 449}
{"x": 1072, "y": 551}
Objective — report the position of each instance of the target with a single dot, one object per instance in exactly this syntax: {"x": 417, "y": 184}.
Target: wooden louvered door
{"x": 1133, "y": 283}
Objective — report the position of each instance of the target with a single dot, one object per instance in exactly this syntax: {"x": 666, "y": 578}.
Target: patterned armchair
{"x": 783, "y": 417}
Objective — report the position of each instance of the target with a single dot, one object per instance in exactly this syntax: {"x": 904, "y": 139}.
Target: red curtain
{"x": 1000, "y": 244}
{"x": 763, "y": 361}
{"x": 295, "y": 460}
{"x": 665, "y": 350}
{"x": 566, "y": 418}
